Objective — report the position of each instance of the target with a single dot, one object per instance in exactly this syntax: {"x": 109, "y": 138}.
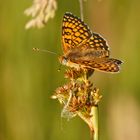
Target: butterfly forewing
{"x": 74, "y": 32}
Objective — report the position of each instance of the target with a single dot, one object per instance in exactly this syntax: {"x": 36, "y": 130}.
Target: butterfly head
{"x": 63, "y": 60}
{"x": 67, "y": 62}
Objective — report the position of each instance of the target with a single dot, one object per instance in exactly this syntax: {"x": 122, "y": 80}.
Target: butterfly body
{"x": 65, "y": 61}
{"x": 84, "y": 49}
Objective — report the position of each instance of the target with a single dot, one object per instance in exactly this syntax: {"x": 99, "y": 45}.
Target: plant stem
{"x": 94, "y": 123}
{"x": 81, "y": 9}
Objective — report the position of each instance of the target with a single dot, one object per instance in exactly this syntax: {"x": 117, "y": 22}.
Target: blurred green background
{"x": 28, "y": 79}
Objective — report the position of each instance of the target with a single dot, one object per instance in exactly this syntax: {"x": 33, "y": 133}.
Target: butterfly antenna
{"x": 43, "y": 50}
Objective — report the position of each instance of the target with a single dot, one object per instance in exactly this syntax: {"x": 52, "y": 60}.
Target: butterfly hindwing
{"x": 105, "y": 65}
{"x": 97, "y": 43}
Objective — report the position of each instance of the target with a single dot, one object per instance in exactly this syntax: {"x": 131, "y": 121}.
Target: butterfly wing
{"x": 105, "y": 65}
{"x": 76, "y": 35}
{"x": 74, "y": 32}
{"x": 96, "y": 43}
{"x": 81, "y": 46}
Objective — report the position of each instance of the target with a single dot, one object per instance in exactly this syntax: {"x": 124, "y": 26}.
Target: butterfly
{"x": 84, "y": 49}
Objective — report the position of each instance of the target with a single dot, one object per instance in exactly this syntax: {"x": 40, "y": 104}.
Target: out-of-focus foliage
{"x": 28, "y": 79}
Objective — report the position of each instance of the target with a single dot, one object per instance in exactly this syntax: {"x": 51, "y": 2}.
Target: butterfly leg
{"x": 87, "y": 74}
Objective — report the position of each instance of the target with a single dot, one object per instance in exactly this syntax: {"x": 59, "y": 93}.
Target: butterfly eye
{"x": 64, "y": 60}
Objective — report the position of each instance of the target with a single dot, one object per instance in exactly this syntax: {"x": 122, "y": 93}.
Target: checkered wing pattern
{"x": 77, "y": 35}
{"x": 106, "y": 65}
{"x": 74, "y": 32}
{"x": 97, "y": 44}
{"x": 83, "y": 47}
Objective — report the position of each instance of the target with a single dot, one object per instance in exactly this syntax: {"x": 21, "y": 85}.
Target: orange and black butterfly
{"x": 84, "y": 49}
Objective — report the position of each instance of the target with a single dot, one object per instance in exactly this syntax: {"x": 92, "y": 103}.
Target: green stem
{"x": 94, "y": 123}
{"x": 81, "y": 9}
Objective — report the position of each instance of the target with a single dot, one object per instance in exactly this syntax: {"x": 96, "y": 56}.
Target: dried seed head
{"x": 78, "y": 96}
{"x": 95, "y": 96}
